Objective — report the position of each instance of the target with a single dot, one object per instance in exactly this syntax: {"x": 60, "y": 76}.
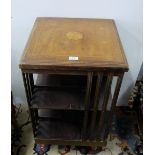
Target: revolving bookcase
{"x": 68, "y": 66}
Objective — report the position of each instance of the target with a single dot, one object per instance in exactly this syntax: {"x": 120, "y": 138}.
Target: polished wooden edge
{"x": 74, "y": 70}
{"x": 120, "y": 43}
{"x": 28, "y": 41}
{"x": 81, "y": 65}
{"x": 72, "y": 18}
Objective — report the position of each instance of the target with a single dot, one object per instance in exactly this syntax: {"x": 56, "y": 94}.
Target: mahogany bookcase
{"x": 68, "y": 66}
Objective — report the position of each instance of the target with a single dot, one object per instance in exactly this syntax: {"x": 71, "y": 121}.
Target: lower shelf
{"x": 70, "y": 142}
{"x": 65, "y": 129}
{"x": 58, "y": 129}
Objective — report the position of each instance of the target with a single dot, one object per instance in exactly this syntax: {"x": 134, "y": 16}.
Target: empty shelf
{"x": 65, "y": 81}
{"x": 57, "y": 129}
{"x": 47, "y": 98}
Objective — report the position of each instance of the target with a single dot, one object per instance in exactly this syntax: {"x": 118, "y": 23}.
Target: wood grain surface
{"x": 91, "y": 43}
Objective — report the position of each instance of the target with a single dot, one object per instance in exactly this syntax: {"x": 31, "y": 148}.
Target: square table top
{"x": 73, "y": 43}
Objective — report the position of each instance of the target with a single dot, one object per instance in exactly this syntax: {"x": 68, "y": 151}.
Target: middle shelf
{"x": 64, "y": 92}
{"x": 58, "y": 99}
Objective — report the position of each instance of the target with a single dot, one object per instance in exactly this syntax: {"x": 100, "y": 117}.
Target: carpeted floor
{"x": 116, "y": 145}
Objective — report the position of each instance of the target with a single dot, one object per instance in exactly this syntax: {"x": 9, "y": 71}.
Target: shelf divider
{"x": 115, "y": 96}
{"x": 87, "y": 102}
{"x": 104, "y": 105}
{"x": 96, "y": 102}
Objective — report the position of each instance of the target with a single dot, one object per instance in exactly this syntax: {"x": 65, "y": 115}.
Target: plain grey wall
{"x": 126, "y": 13}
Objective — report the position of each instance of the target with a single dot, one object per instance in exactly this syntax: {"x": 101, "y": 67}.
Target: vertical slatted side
{"x": 31, "y": 82}
{"x": 115, "y": 96}
{"x": 117, "y": 89}
{"x": 28, "y": 96}
{"x": 28, "y": 85}
{"x": 87, "y": 101}
{"x": 96, "y": 101}
{"x": 105, "y": 102}
{"x": 26, "y": 88}
{"x": 31, "y": 90}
